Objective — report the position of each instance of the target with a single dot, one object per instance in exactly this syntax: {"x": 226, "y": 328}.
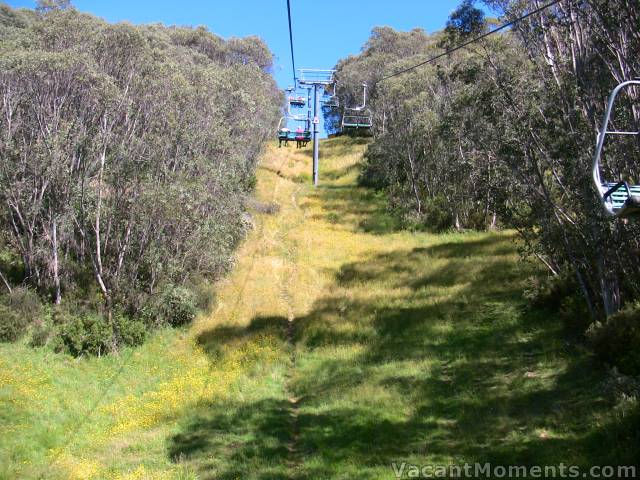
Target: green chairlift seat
{"x": 623, "y": 199}
{"x": 358, "y": 117}
{"x": 356, "y": 121}
{"x": 302, "y": 136}
{"x": 619, "y": 199}
{"x": 283, "y": 134}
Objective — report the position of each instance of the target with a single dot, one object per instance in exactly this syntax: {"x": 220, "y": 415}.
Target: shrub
{"x": 203, "y": 293}
{"x": 549, "y": 292}
{"x": 27, "y": 303}
{"x": 40, "y": 335}
{"x": 13, "y": 325}
{"x": 129, "y": 331}
{"x": 438, "y": 217}
{"x": 61, "y": 316}
{"x": 477, "y": 220}
{"x": 560, "y": 294}
{"x": 616, "y": 341}
{"x": 173, "y": 306}
{"x": 575, "y": 315}
{"x": 88, "y": 334}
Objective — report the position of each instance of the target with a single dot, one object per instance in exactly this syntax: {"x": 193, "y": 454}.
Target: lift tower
{"x": 317, "y": 79}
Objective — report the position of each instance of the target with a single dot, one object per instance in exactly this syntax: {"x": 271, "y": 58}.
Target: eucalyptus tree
{"x": 503, "y": 131}
{"x": 126, "y": 152}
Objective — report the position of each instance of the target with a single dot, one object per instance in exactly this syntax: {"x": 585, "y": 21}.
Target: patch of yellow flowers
{"x": 22, "y": 384}
{"x": 199, "y": 380}
{"x": 85, "y": 469}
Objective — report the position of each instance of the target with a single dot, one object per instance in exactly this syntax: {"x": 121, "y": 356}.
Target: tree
{"x": 44, "y": 6}
{"x": 466, "y": 21}
{"x": 127, "y": 153}
{"x": 503, "y": 131}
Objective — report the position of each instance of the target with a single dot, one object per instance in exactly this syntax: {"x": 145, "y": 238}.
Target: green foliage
{"x": 164, "y": 124}
{"x": 616, "y": 341}
{"x": 128, "y": 331}
{"x": 575, "y": 314}
{"x": 437, "y": 214}
{"x": 87, "y": 334}
{"x": 560, "y": 294}
{"x": 40, "y": 335}
{"x": 549, "y": 292}
{"x": 502, "y": 132}
{"x": 60, "y": 315}
{"x": 173, "y": 305}
{"x": 80, "y": 331}
{"x": 12, "y": 324}
{"x": 465, "y": 21}
{"x": 203, "y": 293}
{"x": 18, "y": 310}
{"x": 27, "y": 303}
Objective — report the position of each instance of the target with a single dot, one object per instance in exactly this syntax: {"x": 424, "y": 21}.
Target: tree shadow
{"x": 233, "y": 440}
{"x": 356, "y": 209}
{"x": 424, "y": 355}
{"x": 213, "y": 341}
{"x": 503, "y": 386}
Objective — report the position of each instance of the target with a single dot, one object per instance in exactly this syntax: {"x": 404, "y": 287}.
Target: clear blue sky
{"x": 324, "y": 30}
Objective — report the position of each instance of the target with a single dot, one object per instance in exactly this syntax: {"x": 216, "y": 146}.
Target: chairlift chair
{"x": 619, "y": 198}
{"x": 358, "y": 117}
{"x": 286, "y": 135}
{"x": 356, "y": 121}
{"x": 330, "y": 101}
{"x": 294, "y": 99}
{"x": 330, "y": 98}
{"x": 297, "y": 101}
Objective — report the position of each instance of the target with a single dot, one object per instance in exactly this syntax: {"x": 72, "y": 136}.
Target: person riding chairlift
{"x": 300, "y": 140}
{"x": 283, "y": 136}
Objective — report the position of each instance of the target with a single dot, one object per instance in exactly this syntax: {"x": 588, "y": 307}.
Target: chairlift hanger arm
{"x": 604, "y": 131}
{"x": 619, "y": 199}
{"x": 364, "y": 100}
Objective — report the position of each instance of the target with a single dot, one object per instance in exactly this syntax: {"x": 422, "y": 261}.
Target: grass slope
{"x": 337, "y": 346}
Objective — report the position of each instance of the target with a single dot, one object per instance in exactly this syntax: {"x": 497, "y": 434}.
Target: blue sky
{"x": 324, "y": 31}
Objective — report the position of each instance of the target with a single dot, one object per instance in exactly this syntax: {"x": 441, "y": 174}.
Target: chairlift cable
{"x": 293, "y": 59}
{"x": 473, "y": 40}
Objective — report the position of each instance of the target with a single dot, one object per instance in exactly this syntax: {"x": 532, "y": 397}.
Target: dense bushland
{"x": 126, "y": 155}
{"x": 502, "y": 132}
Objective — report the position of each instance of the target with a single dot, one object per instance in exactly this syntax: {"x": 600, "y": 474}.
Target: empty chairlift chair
{"x": 356, "y": 120}
{"x": 358, "y": 117}
{"x": 330, "y": 97}
{"x": 619, "y": 198}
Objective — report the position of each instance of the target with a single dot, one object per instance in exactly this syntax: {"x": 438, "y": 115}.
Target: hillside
{"x": 335, "y": 347}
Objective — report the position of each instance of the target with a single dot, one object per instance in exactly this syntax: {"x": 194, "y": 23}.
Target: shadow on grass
{"x": 213, "y": 341}
{"x": 441, "y": 363}
{"x": 357, "y": 209}
{"x": 336, "y": 148}
{"x": 230, "y": 440}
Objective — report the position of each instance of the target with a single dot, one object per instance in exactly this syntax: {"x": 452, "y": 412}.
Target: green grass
{"x": 52, "y": 406}
{"x": 418, "y": 348}
{"x": 338, "y": 346}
